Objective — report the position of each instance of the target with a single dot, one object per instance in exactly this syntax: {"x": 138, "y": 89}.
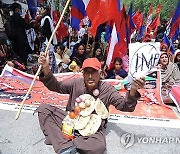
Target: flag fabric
{"x": 110, "y": 23}
{"x": 154, "y": 25}
{"x": 32, "y": 5}
{"x": 109, "y": 27}
{"x": 176, "y": 35}
{"x": 158, "y": 9}
{"x": 62, "y": 30}
{"x": 113, "y": 43}
{"x": 141, "y": 32}
{"x": 149, "y": 16}
{"x": 103, "y": 11}
{"x": 118, "y": 41}
{"x": 130, "y": 24}
{"x": 138, "y": 19}
{"x": 169, "y": 44}
{"x": 175, "y": 22}
{"x": 77, "y": 13}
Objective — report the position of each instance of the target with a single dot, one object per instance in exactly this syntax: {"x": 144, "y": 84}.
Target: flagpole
{"x": 47, "y": 48}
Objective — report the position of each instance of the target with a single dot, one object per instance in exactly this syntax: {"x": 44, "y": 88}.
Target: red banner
{"x": 150, "y": 109}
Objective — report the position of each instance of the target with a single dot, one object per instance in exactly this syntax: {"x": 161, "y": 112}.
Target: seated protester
{"x": 170, "y": 75}
{"x": 125, "y": 60}
{"x": 52, "y": 64}
{"x": 103, "y": 72}
{"x": 89, "y": 138}
{"x": 169, "y": 71}
{"x": 177, "y": 58}
{"x": 89, "y": 51}
{"x": 62, "y": 59}
{"x": 79, "y": 56}
{"x": 118, "y": 72}
{"x": 97, "y": 52}
{"x": 3, "y": 58}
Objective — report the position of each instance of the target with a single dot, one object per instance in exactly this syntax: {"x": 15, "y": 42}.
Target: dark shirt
{"x": 111, "y": 74}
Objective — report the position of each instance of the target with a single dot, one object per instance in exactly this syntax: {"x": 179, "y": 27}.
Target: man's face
{"x": 91, "y": 78}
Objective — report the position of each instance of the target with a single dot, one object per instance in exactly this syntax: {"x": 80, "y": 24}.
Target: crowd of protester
{"x": 68, "y": 56}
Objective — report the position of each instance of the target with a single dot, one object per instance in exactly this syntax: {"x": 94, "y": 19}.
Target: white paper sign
{"x": 142, "y": 58}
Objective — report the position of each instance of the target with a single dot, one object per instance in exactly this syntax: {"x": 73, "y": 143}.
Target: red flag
{"x": 62, "y": 30}
{"x": 154, "y": 25}
{"x": 158, "y": 9}
{"x": 103, "y": 10}
{"x": 118, "y": 46}
{"x": 138, "y": 20}
{"x": 149, "y": 16}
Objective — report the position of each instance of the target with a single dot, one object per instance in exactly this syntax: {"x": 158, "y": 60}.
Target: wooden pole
{"x": 47, "y": 48}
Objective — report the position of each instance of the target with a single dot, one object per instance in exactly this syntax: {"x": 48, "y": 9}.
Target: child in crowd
{"x": 118, "y": 72}
{"x": 103, "y": 73}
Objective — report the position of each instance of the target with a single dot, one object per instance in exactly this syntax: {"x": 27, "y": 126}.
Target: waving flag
{"x": 118, "y": 41}
{"x": 77, "y": 13}
{"x": 175, "y": 22}
{"x": 154, "y": 25}
{"x": 32, "y": 5}
{"x": 130, "y": 24}
{"x": 138, "y": 20}
{"x": 149, "y": 16}
{"x": 113, "y": 43}
{"x": 176, "y": 35}
{"x": 106, "y": 10}
{"x": 169, "y": 44}
{"x": 158, "y": 9}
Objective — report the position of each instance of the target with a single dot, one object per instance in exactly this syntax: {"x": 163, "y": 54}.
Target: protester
{"x": 53, "y": 65}
{"x": 20, "y": 44}
{"x": 177, "y": 58}
{"x": 98, "y": 51}
{"x": 4, "y": 16}
{"x": 170, "y": 73}
{"x": 47, "y": 25}
{"x": 62, "y": 59}
{"x": 103, "y": 72}
{"x": 50, "y": 117}
{"x": 89, "y": 51}
{"x": 118, "y": 72}
{"x": 80, "y": 54}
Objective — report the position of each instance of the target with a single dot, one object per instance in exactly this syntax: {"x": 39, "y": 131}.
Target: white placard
{"x": 142, "y": 58}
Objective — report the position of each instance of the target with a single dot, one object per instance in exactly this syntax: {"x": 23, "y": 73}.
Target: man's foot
{"x": 69, "y": 150}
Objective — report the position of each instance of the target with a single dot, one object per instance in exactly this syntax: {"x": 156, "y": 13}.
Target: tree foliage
{"x": 168, "y": 6}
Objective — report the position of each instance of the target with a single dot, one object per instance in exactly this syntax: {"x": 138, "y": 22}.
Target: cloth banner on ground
{"x": 150, "y": 109}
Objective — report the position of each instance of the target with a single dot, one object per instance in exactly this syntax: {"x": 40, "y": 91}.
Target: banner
{"x": 150, "y": 109}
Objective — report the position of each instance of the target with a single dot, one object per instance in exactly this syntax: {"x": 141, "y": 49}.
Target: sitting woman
{"x": 169, "y": 71}
{"x": 79, "y": 56}
{"x": 98, "y": 51}
{"x": 118, "y": 72}
{"x": 62, "y": 59}
{"x": 170, "y": 75}
{"x": 177, "y": 58}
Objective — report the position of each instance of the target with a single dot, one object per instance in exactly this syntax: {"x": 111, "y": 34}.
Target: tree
{"x": 168, "y": 7}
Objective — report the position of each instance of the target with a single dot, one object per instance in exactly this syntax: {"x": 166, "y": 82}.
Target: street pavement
{"x": 23, "y": 136}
